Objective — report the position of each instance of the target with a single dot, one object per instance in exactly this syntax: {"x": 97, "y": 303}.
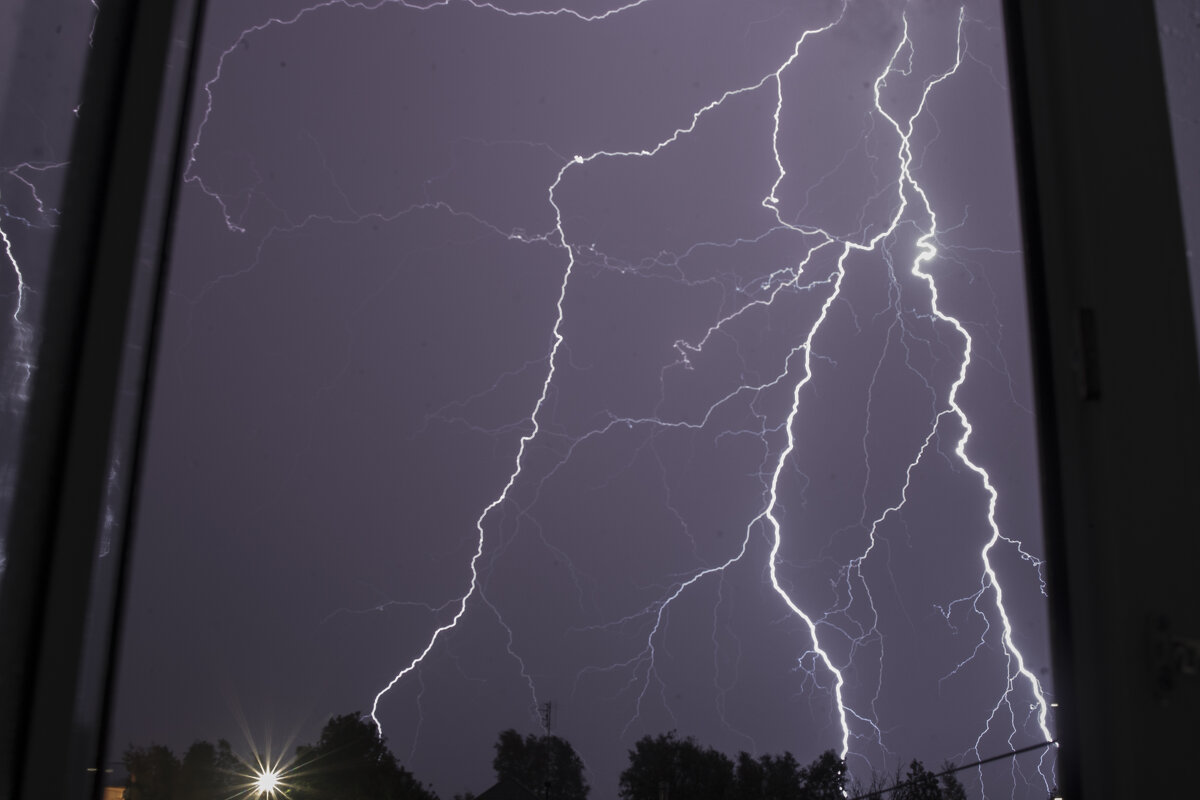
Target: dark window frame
{"x": 1117, "y": 389}
{"x": 46, "y": 597}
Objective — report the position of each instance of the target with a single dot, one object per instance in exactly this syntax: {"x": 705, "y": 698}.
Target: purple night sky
{"x": 474, "y": 265}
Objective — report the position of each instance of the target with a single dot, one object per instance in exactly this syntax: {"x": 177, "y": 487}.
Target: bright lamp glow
{"x": 266, "y": 782}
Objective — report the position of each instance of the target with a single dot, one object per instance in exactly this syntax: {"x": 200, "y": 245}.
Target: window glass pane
{"x": 1179, "y": 36}
{"x": 43, "y": 49}
{"x": 46, "y": 48}
{"x": 664, "y": 366}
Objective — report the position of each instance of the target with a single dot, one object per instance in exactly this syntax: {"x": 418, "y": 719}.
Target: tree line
{"x": 351, "y": 761}
{"x": 665, "y": 767}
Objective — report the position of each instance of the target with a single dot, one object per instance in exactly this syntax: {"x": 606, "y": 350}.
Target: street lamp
{"x": 266, "y": 781}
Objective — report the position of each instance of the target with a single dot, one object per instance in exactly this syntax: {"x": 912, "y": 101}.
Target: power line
{"x": 988, "y": 760}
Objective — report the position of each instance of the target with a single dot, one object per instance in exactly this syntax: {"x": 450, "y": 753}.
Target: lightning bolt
{"x": 927, "y": 244}
{"x": 22, "y": 286}
{"x": 44, "y": 216}
{"x": 828, "y": 256}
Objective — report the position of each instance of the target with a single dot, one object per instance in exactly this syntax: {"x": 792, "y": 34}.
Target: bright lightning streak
{"x": 513, "y": 476}
{"x": 189, "y": 172}
{"x": 43, "y": 216}
{"x": 928, "y": 250}
{"x": 22, "y": 287}
{"x": 546, "y": 385}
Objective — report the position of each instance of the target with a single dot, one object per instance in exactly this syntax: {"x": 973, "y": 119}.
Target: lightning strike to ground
{"x": 839, "y": 636}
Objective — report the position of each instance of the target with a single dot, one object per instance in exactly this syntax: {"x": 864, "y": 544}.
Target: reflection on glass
{"x": 46, "y": 46}
{"x": 603, "y": 370}
{"x": 1179, "y": 37}
{"x": 43, "y": 49}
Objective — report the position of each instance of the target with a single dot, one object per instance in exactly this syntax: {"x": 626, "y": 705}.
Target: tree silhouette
{"x": 668, "y": 768}
{"x": 152, "y": 771}
{"x": 665, "y": 767}
{"x": 951, "y": 788}
{"x": 824, "y": 778}
{"x": 351, "y": 761}
{"x": 208, "y": 771}
{"x": 546, "y": 765}
{"x": 918, "y": 784}
{"x": 767, "y": 777}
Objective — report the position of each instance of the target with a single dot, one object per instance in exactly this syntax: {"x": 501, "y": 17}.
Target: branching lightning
{"x": 44, "y": 216}
{"x": 844, "y": 633}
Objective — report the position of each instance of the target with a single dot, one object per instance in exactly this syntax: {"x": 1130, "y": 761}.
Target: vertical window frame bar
{"x": 1108, "y": 292}
{"x": 62, "y": 479}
